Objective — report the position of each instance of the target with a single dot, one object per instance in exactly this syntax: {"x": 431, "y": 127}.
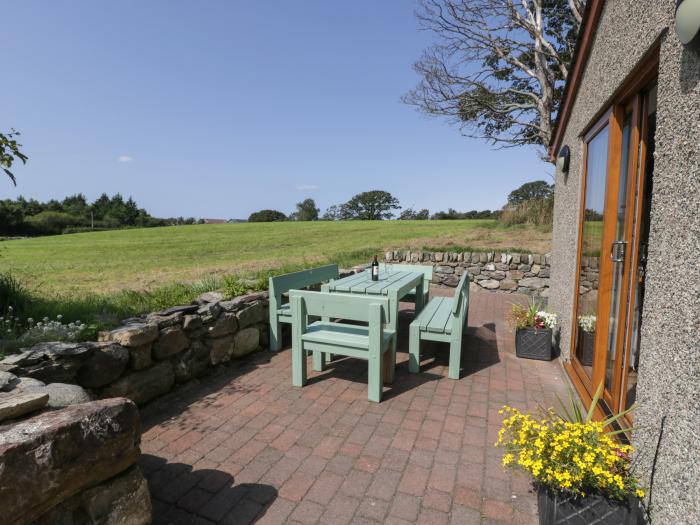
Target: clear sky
{"x": 219, "y": 108}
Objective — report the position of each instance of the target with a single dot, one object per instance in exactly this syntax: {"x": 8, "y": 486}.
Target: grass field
{"x": 142, "y": 258}
{"x": 131, "y": 271}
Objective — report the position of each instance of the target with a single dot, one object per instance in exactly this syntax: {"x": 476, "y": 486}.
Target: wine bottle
{"x": 375, "y": 269}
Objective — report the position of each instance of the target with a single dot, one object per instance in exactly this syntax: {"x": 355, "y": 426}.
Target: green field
{"x": 125, "y": 272}
{"x": 143, "y": 258}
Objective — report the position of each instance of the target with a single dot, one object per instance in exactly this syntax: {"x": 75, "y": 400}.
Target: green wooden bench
{"x": 443, "y": 320}
{"x": 427, "y": 271}
{"x": 279, "y": 285}
{"x": 372, "y": 342}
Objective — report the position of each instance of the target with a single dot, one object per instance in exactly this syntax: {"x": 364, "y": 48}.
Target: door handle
{"x": 617, "y": 255}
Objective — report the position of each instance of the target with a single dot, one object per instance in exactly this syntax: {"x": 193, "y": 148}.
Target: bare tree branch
{"x": 498, "y": 67}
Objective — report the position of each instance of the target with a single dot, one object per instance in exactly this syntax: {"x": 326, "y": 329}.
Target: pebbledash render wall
{"x": 668, "y": 413}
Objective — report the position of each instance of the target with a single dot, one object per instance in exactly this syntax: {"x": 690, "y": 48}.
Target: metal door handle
{"x": 618, "y": 255}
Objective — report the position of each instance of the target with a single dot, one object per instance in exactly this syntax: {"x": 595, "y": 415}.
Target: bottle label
{"x": 375, "y": 270}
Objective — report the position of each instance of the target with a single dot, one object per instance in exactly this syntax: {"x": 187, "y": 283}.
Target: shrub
{"x": 52, "y": 222}
{"x": 267, "y": 216}
{"x": 537, "y": 212}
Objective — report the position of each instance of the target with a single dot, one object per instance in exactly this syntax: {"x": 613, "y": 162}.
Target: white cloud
{"x": 125, "y": 158}
{"x": 307, "y": 187}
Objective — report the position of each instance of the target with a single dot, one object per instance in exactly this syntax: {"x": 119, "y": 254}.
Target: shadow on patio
{"x": 245, "y": 446}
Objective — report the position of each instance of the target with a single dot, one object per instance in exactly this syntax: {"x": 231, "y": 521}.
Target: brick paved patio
{"x": 245, "y": 446}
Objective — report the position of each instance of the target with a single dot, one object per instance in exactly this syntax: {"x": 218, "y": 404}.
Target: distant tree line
{"x": 375, "y": 205}
{"x": 74, "y": 213}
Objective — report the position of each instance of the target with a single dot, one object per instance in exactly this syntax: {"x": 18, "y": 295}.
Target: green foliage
{"x": 539, "y": 190}
{"x": 267, "y": 216}
{"x": 31, "y": 217}
{"x": 375, "y": 205}
{"x": 9, "y": 152}
{"x": 536, "y": 212}
{"x": 452, "y": 214}
{"x": 409, "y": 214}
{"x": 306, "y": 211}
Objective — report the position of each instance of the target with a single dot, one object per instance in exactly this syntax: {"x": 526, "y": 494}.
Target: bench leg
{"x": 319, "y": 361}
{"x": 390, "y": 361}
{"x": 414, "y": 349}
{"x": 375, "y": 366}
{"x": 298, "y": 365}
{"x": 455, "y": 355}
{"x": 275, "y": 336}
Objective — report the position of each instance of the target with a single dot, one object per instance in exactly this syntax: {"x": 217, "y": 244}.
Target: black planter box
{"x": 587, "y": 348}
{"x": 558, "y": 509}
{"x": 534, "y": 343}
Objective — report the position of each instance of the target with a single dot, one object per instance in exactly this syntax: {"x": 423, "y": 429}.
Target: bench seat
{"x": 350, "y": 335}
{"x": 442, "y": 320}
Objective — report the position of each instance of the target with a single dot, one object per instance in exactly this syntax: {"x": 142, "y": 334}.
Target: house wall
{"x": 668, "y": 414}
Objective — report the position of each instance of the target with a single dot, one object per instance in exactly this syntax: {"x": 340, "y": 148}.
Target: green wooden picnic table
{"x": 394, "y": 284}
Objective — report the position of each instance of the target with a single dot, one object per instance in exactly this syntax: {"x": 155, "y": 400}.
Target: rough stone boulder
{"x": 121, "y": 500}
{"x": 8, "y": 381}
{"x": 48, "y": 458}
{"x": 171, "y": 341}
{"x": 135, "y": 334}
{"x": 220, "y": 350}
{"x": 144, "y": 385}
{"x": 210, "y": 297}
{"x": 252, "y": 314}
{"x": 490, "y": 284}
{"x": 191, "y": 363}
{"x": 63, "y": 395}
{"x": 245, "y": 341}
{"x": 238, "y": 302}
{"x": 50, "y": 362}
{"x": 140, "y": 356}
{"x": 105, "y": 364}
{"x": 226, "y": 324}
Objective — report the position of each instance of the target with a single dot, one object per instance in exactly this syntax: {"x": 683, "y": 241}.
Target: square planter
{"x": 587, "y": 347}
{"x": 558, "y": 509}
{"x": 534, "y": 343}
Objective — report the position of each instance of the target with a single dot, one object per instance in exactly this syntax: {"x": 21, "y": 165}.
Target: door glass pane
{"x": 618, "y": 253}
{"x": 591, "y": 245}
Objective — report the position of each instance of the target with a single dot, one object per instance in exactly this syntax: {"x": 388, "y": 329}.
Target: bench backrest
{"x": 339, "y": 305}
{"x": 460, "y": 303}
{"x": 281, "y": 284}
{"x": 426, "y": 270}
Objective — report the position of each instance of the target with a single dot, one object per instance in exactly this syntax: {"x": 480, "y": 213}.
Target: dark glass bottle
{"x": 375, "y": 269}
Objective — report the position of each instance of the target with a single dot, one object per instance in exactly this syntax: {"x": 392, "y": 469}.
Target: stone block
{"x": 50, "y": 362}
{"x": 171, "y": 341}
{"x": 8, "y": 381}
{"x": 63, "y": 395}
{"x": 535, "y": 269}
{"x": 252, "y": 314}
{"x": 140, "y": 356}
{"x": 514, "y": 274}
{"x": 245, "y": 341}
{"x": 106, "y": 363}
{"x": 191, "y": 322}
{"x": 191, "y": 363}
{"x": 50, "y": 457}
{"x": 135, "y": 334}
{"x": 490, "y": 267}
{"x": 17, "y": 404}
{"x": 220, "y": 350}
{"x": 508, "y": 284}
{"x": 498, "y": 275}
{"x": 226, "y": 324}
{"x": 444, "y": 269}
{"x": 483, "y": 258}
{"x": 489, "y": 284}
{"x": 532, "y": 282}
{"x": 143, "y": 385}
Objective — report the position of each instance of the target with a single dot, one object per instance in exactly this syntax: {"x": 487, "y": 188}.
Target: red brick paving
{"x": 244, "y": 446}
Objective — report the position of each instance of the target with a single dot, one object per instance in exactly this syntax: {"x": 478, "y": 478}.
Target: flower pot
{"x": 587, "y": 347}
{"x": 558, "y": 509}
{"x": 534, "y": 343}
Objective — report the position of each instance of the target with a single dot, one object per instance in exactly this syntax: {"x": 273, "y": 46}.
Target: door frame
{"x": 630, "y": 93}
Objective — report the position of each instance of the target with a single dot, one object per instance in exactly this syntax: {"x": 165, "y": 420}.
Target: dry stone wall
{"x": 141, "y": 360}
{"x": 525, "y": 273}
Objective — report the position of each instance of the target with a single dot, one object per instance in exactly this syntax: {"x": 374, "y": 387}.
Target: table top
{"x": 399, "y": 281}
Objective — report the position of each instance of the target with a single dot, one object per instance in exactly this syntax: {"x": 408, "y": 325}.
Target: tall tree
{"x": 9, "y": 152}
{"x": 538, "y": 189}
{"x": 498, "y": 67}
{"x": 375, "y": 205}
{"x": 306, "y": 211}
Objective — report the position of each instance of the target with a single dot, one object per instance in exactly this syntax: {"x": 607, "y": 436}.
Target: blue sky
{"x": 219, "y": 108}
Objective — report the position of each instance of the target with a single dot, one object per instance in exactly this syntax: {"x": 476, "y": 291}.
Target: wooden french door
{"x": 613, "y": 230}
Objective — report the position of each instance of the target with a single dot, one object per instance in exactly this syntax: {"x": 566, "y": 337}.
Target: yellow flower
{"x": 507, "y": 459}
{"x": 639, "y": 493}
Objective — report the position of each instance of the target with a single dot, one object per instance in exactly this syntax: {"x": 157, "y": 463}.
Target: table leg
{"x": 390, "y": 364}
{"x": 420, "y": 290}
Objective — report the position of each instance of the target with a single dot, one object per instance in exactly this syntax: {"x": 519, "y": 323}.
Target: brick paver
{"x": 244, "y": 446}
